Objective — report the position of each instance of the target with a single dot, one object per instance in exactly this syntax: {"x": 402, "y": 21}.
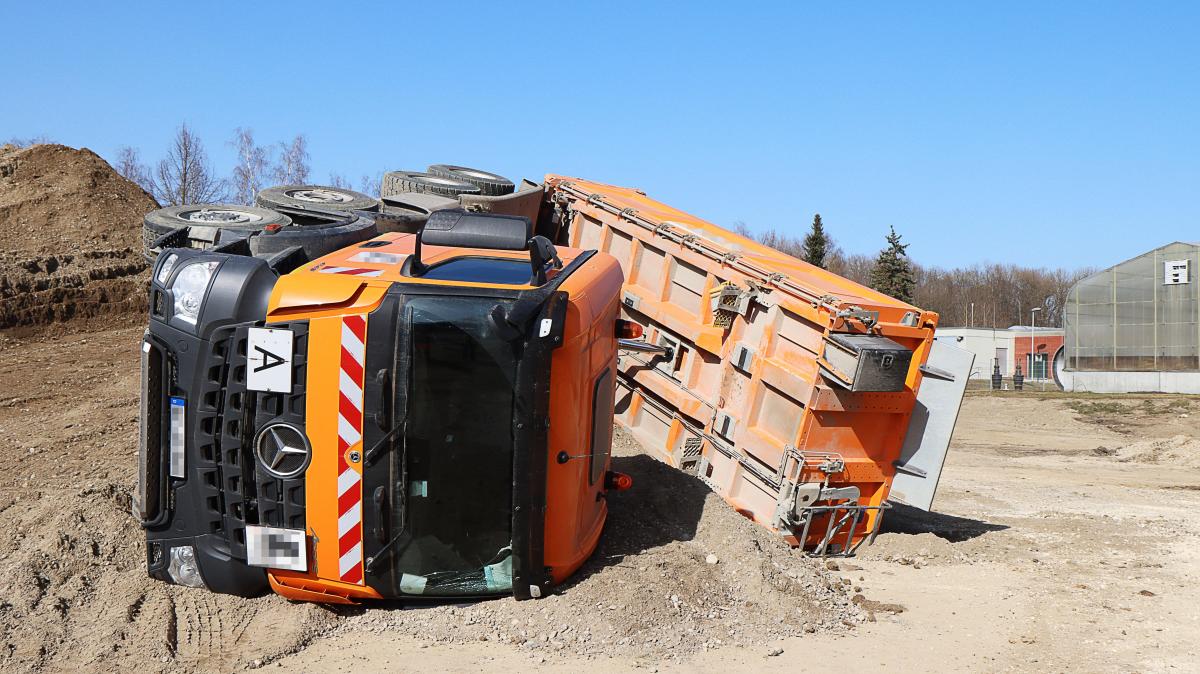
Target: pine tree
{"x": 817, "y": 244}
{"x": 893, "y": 273}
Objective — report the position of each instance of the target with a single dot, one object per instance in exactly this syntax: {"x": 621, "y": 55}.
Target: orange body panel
{"x": 743, "y": 403}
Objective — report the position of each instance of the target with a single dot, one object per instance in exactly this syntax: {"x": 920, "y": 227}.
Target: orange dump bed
{"x": 804, "y": 399}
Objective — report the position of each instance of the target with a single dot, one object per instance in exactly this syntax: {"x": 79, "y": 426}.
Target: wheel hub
{"x": 320, "y": 196}
{"x": 222, "y": 217}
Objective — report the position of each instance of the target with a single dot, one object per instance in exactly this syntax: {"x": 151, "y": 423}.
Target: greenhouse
{"x": 1135, "y": 327}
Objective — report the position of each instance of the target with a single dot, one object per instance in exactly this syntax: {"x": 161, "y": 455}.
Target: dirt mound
{"x": 677, "y": 572}
{"x": 1179, "y": 450}
{"x": 76, "y": 594}
{"x": 70, "y": 237}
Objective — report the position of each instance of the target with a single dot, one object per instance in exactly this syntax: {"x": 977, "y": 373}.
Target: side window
{"x": 602, "y": 424}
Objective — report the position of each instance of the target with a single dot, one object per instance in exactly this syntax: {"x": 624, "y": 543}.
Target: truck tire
{"x": 243, "y": 218}
{"x": 399, "y": 182}
{"x": 489, "y": 184}
{"x": 269, "y": 232}
{"x": 315, "y": 196}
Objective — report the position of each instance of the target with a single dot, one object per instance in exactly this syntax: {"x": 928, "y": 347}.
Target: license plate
{"x": 276, "y": 548}
{"x": 177, "y": 441}
{"x": 269, "y": 360}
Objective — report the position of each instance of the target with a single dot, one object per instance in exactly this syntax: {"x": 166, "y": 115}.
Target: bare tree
{"x": 339, "y": 181}
{"x": 369, "y": 185}
{"x": 185, "y": 176}
{"x": 27, "y": 142}
{"x": 292, "y": 168}
{"x": 129, "y": 165}
{"x": 251, "y": 168}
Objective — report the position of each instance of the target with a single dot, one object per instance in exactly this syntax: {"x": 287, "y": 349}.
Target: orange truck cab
{"x": 378, "y": 423}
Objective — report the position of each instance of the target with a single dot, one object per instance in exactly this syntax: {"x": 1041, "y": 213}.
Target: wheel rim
{"x": 476, "y": 174}
{"x": 320, "y": 196}
{"x": 438, "y": 180}
{"x": 221, "y": 216}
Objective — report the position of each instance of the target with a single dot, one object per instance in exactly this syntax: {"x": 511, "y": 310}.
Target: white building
{"x": 1008, "y": 346}
{"x": 990, "y": 346}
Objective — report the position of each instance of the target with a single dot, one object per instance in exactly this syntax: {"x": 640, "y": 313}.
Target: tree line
{"x": 186, "y": 175}
{"x": 981, "y": 295}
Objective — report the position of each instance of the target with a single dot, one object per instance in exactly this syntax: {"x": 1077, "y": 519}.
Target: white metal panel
{"x": 269, "y": 360}
{"x": 928, "y": 439}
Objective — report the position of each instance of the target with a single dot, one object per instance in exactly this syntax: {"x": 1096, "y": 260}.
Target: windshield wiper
{"x": 368, "y": 458}
{"x": 383, "y": 552}
{"x": 373, "y": 453}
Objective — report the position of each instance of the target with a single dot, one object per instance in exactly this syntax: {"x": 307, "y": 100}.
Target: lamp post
{"x": 1032, "y": 348}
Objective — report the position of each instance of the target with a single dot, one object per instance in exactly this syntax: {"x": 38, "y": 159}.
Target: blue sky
{"x": 1048, "y": 134}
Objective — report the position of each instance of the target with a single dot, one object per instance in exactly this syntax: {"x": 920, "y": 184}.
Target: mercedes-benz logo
{"x": 283, "y": 450}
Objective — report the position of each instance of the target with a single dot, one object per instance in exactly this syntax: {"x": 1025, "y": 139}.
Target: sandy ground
{"x": 1044, "y": 555}
{"x": 1065, "y": 540}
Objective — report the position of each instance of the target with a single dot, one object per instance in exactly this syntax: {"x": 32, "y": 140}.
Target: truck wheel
{"x": 317, "y": 234}
{"x": 242, "y": 218}
{"x": 398, "y": 182}
{"x": 489, "y": 184}
{"x": 315, "y": 196}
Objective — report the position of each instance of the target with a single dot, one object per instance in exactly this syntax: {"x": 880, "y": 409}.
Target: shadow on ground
{"x": 902, "y": 519}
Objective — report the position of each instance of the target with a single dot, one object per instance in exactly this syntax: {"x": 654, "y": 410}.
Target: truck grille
{"x": 234, "y": 493}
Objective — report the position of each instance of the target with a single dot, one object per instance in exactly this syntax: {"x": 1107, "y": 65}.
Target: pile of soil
{"x": 677, "y": 572}
{"x": 1178, "y": 450}
{"x": 72, "y": 557}
{"x": 70, "y": 237}
{"x": 78, "y": 597}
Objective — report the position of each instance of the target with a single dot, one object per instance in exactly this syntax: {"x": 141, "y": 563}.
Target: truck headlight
{"x": 182, "y": 568}
{"x": 189, "y": 288}
{"x": 164, "y": 270}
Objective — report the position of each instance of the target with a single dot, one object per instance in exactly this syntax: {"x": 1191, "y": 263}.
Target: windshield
{"x": 458, "y": 452}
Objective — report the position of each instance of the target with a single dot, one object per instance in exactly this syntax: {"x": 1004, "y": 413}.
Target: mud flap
{"x": 943, "y": 383}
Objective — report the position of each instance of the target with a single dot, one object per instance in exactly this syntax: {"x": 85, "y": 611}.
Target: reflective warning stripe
{"x": 350, "y": 271}
{"x": 350, "y": 418}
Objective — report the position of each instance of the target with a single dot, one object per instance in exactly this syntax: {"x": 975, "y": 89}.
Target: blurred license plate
{"x": 276, "y": 548}
{"x": 178, "y": 440}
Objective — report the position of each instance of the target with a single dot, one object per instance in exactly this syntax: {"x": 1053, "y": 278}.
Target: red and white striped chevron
{"x": 350, "y": 271}
{"x": 350, "y": 421}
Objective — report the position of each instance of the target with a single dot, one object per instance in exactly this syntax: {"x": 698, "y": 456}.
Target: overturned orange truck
{"x": 429, "y": 412}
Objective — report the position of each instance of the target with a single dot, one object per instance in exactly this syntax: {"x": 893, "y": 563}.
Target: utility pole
{"x": 1032, "y": 354}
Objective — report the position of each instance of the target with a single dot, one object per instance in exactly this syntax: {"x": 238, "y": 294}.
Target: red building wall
{"x": 1047, "y": 342}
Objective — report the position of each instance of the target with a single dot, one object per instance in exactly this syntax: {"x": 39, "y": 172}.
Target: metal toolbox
{"x": 865, "y": 362}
